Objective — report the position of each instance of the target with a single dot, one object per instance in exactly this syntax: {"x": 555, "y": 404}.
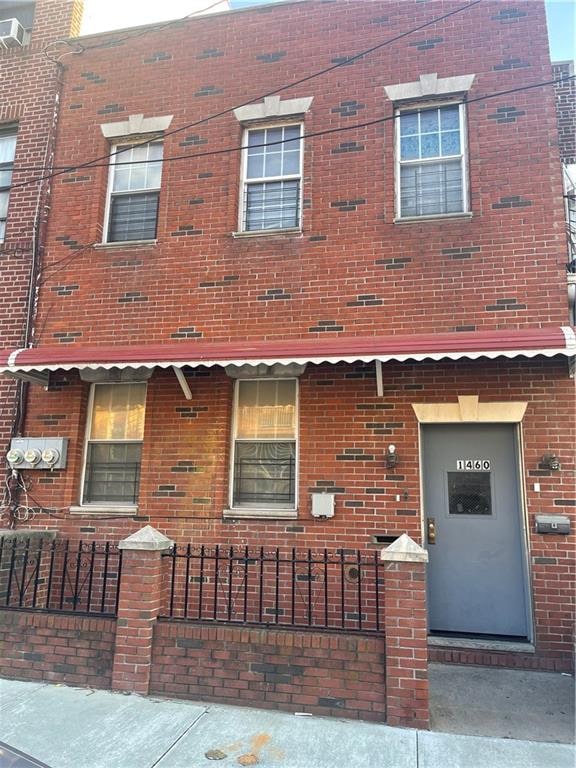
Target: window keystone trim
{"x": 135, "y": 124}
{"x": 272, "y": 107}
{"x": 429, "y": 85}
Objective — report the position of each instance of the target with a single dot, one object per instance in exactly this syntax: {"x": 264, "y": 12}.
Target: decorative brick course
{"x": 510, "y": 64}
{"x": 506, "y": 114}
{"x": 56, "y": 648}
{"x": 270, "y": 58}
{"x": 426, "y": 45}
{"x": 348, "y": 108}
{"x": 309, "y": 671}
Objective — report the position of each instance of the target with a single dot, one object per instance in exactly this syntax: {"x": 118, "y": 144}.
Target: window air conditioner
{"x": 11, "y": 33}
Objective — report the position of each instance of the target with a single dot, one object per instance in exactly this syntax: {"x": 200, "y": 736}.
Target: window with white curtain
{"x": 114, "y": 443}
{"x": 134, "y": 192}
{"x": 264, "y": 449}
{"x": 272, "y": 173}
{"x": 7, "y": 152}
{"x": 431, "y": 161}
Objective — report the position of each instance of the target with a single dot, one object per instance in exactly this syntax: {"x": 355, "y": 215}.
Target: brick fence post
{"x": 141, "y": 600}
{"x": 406, "y": 628}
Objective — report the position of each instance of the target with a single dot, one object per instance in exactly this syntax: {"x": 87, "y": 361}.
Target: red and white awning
{"x": 34, "y": 363}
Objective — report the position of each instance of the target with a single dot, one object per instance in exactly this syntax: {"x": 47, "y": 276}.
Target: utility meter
{"x": 15, "y": 457}
{"x": 50, "y": 456}
{"x": 37, "y": 452}
{"x": 32, "y": 456}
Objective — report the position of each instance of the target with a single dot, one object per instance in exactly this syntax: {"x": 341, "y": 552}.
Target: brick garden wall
{"x": 57, "y": 648}
{"x": 318, "y": 672}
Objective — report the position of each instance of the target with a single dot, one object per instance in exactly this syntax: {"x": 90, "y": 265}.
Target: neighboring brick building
{"x": 28, "y": 111}
{"x": 249, "y": 335}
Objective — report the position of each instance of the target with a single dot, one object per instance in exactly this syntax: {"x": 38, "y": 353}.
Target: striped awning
{"x": 35, "y": 363}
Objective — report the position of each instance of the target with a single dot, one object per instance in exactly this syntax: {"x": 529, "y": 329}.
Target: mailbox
{"x": 552, "y": 524}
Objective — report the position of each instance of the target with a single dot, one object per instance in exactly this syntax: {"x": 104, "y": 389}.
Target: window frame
{"x": 422, "y": 106}
{"x": 120, "y": 146}
{"x": 265, "y": 509}
{"x": 245, "y": 182}
{"x": 97, "y": 505}
{"x": 9, "y": 130}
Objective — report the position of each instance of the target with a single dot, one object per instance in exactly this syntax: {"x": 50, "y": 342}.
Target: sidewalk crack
{"x": 184, "y": 732}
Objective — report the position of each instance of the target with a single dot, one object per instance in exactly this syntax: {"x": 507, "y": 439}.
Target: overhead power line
{"x": 149, "y": 29}
{"x": 311, "y": 135}
{"x": 346, "y": 61}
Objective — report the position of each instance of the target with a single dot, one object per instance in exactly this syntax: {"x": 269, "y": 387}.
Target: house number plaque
{"x": 482, "y": 464}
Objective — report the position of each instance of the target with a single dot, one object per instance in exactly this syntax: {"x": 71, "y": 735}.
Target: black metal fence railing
{"x": 79, "y": 577}
{"x": 320, "y": 589}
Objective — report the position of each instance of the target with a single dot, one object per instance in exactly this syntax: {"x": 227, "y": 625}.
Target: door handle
{"x": 431, "y": 530}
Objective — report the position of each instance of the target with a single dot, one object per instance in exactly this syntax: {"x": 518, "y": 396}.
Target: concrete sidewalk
{"x": 81, "y": 728}
{"x": 505, "y": 703}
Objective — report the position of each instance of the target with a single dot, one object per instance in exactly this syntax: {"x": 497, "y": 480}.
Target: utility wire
{"x": 280, "y": 89}
{"x": 146, "y": 31}
{"x": 82, "y": 249}
{"x": 311, "y": 135}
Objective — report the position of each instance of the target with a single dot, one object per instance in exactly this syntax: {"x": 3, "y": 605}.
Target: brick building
{"x": 28, "y": 112}
{"x": 352, "y": 328}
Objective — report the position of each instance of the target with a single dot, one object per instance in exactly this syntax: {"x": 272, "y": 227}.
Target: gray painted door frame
{"x": 522, "y": 511}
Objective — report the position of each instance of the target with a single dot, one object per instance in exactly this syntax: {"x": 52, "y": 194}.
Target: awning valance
{"x": 529, "y": 343}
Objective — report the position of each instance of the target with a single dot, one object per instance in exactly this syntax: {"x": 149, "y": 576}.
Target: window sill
{"x": 267, "y": 232}
{"x": 126, "y": 244}
{"x": 260, "y": 514}
{"x": 433, "y": 217}
{"x": 98, "y": 510}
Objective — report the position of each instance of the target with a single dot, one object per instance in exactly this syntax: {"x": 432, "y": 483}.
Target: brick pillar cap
{"x": 146, "y": 538}
{"x": 404, "y": 550}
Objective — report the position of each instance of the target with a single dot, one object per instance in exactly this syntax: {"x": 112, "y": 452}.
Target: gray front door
{"x": 476, "y": 576}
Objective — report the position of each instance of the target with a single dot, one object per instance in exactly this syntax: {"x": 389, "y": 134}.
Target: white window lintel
{"x": 273, "y": 106}
{"x": 135, "y": 125}
{"x": 429, "y": 85}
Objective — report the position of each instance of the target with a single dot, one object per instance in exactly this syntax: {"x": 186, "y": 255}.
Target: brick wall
{"x": 57, "y": 648}
{"x": 351, "y": 271}
{"x": 29, "y": 85}
{"x": 198, "y": 279}
{"x": 566, "y": 109}
{"x": 339, "y": 409}
{"x": 321, "y": 673}
{"x": 504, "y": 659}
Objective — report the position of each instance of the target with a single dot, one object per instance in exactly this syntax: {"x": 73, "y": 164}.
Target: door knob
{"x": 431, "y": 525}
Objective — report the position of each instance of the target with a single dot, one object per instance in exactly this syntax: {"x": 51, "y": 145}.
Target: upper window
{"x": 114, "y": 443}
{"x": 7, "y": 152}
{"x": 264, "y": 450}
{"x": 133, "y": 192}
{"x": 271, "y": 189}
{"x": 431, "y": 156}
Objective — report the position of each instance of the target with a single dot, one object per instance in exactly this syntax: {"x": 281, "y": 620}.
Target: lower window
{"x": 114, "y": 444}
{"x": 264, "y": 450}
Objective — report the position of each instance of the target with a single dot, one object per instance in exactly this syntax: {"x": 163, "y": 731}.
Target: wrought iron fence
{"x": 320, "y": 589}
{"x": 61, "y": 575}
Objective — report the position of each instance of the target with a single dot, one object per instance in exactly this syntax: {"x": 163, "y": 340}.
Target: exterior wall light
{"x": 391, "y": 457}
{"x": 550, "y": 461}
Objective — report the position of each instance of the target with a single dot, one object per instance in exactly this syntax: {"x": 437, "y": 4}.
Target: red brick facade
{"x": 566, "y": 106}
{"x": 29, "y": 90}
{"x": 351, "y": 271}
